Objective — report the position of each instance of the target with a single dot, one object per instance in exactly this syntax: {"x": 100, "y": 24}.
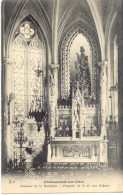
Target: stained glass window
{"x": 35, "y": 62}
{"x": 27, "y": 70}
{"x": 19, "y": 76}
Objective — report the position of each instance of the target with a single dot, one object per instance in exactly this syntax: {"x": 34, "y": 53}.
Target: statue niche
{"x": 82, "y": 72}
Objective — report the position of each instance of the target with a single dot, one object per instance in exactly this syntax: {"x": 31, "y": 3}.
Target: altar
{"x": 77, "y": 122}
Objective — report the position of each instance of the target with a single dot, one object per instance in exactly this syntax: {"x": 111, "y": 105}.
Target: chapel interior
{"x": 62, "y": 83}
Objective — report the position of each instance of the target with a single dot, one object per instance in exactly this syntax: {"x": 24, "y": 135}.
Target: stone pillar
{"x": 6, "y": 90}
{"x": 103, "y": 151}
{"x": 120, "y": 75}
{"x": 53, "y": 96}
{"x": 7, "y": 82}
{"x": 103, "y": 84}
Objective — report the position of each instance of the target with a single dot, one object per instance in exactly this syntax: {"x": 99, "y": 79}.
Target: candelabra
{"x": 21, "y": 139}
{"x": 36, "y": 109}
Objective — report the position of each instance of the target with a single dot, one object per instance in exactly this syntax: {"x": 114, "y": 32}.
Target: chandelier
{"x": 38, "y": 115}
{"x": 36, "y": 110}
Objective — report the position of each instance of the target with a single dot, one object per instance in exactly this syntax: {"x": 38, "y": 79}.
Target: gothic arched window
{"x": 27, "y": 70}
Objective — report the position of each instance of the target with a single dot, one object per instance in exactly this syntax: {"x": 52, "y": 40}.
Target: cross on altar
{"x": 27, "y": 31}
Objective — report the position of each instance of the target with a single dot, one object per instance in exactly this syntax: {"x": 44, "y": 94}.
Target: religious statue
{"x": 82, "y": 70}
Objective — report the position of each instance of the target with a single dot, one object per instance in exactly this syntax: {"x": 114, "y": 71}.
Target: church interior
{"x": 62, "y": 78}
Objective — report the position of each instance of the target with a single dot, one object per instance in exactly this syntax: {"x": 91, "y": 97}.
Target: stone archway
{"x": 64, "y": 56}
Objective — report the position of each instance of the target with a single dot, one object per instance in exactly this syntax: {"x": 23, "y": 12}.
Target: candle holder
{"x": 21, "y": 139}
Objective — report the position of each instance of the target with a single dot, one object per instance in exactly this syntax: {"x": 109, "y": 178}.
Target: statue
{"x": 82, "y": 70}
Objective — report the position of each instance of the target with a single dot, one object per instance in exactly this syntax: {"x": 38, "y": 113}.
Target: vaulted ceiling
{"x": 48, "y": 5}
{"x": 94, "y": 13}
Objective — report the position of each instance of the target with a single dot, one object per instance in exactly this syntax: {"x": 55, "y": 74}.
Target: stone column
{"x": 120, "y": 75}
{"x": 7, "y": 83}
{"x": 55, "y": 31}
{"x": 6, "y": 90}
{"x": 53, "y": 96}
{"x": 103, "y": 84}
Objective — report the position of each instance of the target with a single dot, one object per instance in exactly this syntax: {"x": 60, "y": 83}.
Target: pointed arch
{"x": 43, "y": 25}
{"x": 93, "y": 12}
{"x": 31, "y": 19}
{"x": 32, "y": 45}
{"x": 68, "y": 13}
{"x": 64, "y": 55}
